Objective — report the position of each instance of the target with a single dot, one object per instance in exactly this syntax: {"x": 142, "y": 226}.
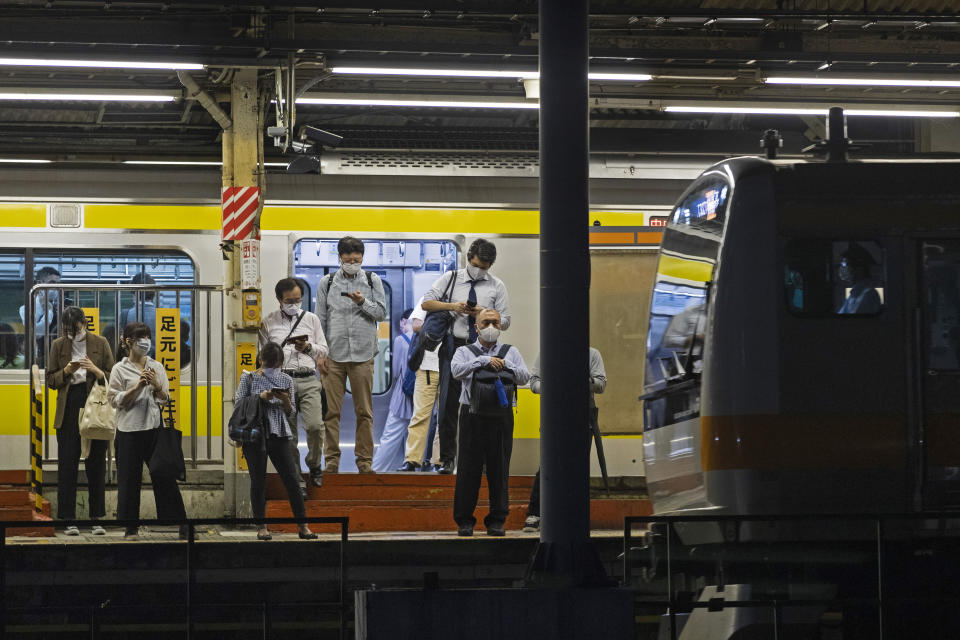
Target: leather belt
{"x": 299, "y": 373}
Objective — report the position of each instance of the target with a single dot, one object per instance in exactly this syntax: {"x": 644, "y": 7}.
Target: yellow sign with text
{"x": 246, "y": 361}
{"x": 168, "y": 355}
{"x": 92, "y": 315}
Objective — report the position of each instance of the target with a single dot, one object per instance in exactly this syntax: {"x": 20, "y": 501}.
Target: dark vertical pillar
{"x": 565, "y": 556}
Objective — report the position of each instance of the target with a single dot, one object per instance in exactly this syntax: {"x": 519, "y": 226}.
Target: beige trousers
{"x": 310, "y": 417}
{"x": 360, "y": 375}
{"x": 424, "y": 397}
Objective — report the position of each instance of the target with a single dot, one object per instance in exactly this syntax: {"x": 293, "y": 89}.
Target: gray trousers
{"x": 310, "y": 417}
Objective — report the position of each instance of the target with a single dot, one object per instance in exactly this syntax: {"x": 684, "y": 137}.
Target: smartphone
{"x": 293, "y": 339}
{"x": 471, "y": 304}
{"x": 345, "y": 294}
{"x": 276, "y": 390}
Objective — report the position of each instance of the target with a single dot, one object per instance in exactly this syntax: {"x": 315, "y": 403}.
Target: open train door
{"x": 936, "y": 333}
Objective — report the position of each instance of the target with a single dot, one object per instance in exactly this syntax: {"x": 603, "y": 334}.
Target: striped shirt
{"x": 253, "y": 383}
{"x": 351, "y": 328}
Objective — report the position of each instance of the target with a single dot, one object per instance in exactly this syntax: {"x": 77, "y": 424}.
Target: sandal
{"x": 264, "y": 535}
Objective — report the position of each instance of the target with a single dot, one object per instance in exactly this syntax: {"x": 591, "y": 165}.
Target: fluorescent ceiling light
{"x": 864, "y": 82}
{"x": 194, "y": 163}
{"x": 60, "y": 96}
{"x": 98, "y": 64}
{"x": 914, "y": 113}
{"x": 24, "y": 161}
{"x": 479, "y": 73}
{"x": 471, "y": 104}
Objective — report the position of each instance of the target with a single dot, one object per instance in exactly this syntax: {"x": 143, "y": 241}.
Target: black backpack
{"x": 248, "y": 422}
{"x": 483, "y": 393}
{"x": 329, "y": 279}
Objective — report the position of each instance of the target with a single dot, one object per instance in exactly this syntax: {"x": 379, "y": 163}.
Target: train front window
{"x": 833, "y": 277}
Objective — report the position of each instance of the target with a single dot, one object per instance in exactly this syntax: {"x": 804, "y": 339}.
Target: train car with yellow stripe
{"x": 100, "y": 240}
{"x": 803, "y": 351}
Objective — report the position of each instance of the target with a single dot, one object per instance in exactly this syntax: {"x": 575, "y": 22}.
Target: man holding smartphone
{"x": 300, "y": 334}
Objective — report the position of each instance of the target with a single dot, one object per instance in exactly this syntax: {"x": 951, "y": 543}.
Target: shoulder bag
{"x": 98, "y": 418}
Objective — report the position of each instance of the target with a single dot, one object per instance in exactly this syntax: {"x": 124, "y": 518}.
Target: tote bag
{"x": 167, "y": 458}
{"x": 98, "y": 418}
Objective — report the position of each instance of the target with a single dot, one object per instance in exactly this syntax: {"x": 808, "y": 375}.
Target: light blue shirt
{"x": 464, "y": 364}
{"x": 351, "y": 329}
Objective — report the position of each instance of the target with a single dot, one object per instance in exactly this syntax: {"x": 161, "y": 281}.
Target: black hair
{"x": 271, "y": 354}
{"x": 46, "y": 271}
{"x": 144, "y": 278}
{"x": 70, "y": 318}
{"x": 485, "y": 250}
{"x": 133, "y": 331}
{"x": 349, "y": 244}
{"x": 406, "y": 314}
{"x": 858, "y": 256}
{"x": 285, "y": 285}
{"x": 185, "y": 352}
{"x": 9, "y": 345}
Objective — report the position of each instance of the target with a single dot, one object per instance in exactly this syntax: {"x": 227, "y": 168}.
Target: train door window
{"x": 407, "y": 269}
{"x": 941, "y": 281}
{"x": 833, "y": 277}
{"x": 12, "y": 311}
{"x": 117, "y": 309}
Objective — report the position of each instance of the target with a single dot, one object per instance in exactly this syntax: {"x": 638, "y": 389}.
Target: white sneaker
{"x": 98, "y": 530}
{"x": 531, "y": 524}
{"x": 72, "y": 531}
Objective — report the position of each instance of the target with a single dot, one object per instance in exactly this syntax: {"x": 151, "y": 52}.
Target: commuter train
{"x": 803, "y": 351}
{"x": 99, "y": 242}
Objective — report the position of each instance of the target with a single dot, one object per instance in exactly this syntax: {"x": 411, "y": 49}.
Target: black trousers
{"x": 534, "y": 508}
{"x": 68, "y": 461}
{"x": 281, "y": 455}
{"x": 484, "y": 440}
{"x": 448, "y": 426}
{"x": 134, "y": 449}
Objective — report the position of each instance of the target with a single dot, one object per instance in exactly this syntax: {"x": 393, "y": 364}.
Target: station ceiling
{"x": 699, "y": 54}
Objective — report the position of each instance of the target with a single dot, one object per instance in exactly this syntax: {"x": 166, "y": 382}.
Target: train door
{"x": 407, "y": 269}
{"x": 937, "y": 340}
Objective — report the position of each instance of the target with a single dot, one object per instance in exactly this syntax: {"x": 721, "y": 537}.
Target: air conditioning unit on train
{"x": 65, "y": 216}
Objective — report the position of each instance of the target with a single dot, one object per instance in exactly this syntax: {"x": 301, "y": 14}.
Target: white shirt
{"x": 78, "y": 350}
{"x": 143, "y": 413}
{"x": 431, "y": 360}
{"x": 275, "y": 328}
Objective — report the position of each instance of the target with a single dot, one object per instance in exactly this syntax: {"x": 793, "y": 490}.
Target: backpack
{"x": 409, "y": 379}
{"x": 435, "y": 327}
{"x": 247, "y": 424}
{"x": 484, "y": 396}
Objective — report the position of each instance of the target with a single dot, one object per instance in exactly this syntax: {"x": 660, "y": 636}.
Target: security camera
{"x": 321, "y": 136}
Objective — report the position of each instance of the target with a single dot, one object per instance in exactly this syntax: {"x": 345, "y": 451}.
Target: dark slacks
{"x": 281, "y": 455}
{"x": 534, "y": 508}
{"x": 134, "y": 449}
{"x": 448, "y": 426}
{"x": 484, "y": 440}
{"x": 68, "y": 461}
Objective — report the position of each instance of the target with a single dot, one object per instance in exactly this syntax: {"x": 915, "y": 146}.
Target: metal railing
{"x": 873, "y": 529}
{"x": 342, "y": 605}
{"x": 201, "y": 299}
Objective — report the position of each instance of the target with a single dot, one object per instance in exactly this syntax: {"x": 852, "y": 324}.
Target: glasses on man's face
{"x": 351, "y": 261}
{"x": 291, "y": 301}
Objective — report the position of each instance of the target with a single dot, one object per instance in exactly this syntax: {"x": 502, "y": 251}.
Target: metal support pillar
{"x": 565, "y": 556}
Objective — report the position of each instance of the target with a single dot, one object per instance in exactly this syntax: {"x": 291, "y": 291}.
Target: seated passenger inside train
{"x": 854, "y": 272}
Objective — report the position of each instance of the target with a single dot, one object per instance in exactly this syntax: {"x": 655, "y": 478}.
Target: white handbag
{"x": 98, "y": 418}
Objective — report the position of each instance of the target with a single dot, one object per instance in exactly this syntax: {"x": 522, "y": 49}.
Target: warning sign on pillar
{"x": 250, "y": 264}
{"x": 240, "y": 208}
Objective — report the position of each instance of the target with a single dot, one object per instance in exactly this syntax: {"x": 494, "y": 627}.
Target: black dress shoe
{"x": 426, "y": 467}
{"x": 496, "y": 532}
{"x": 445, "y": 469}
{"x": 316, "y": 477}
{"x": 307, "y": 536}
{"x": 409, "y": 466}
{"x": 465, "y": 531}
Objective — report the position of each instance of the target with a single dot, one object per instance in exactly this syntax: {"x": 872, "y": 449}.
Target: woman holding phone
{"x": 138, "y": 390}
{"x": 78, "y": 360}
{"x": 276, "y": 391}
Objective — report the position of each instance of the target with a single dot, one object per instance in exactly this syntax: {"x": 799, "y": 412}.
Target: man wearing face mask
{"x": 474, "y": 289}
{"x": 44, "y": 311}
{"x": 350, "y": 303}
{"x": 489, "y": 373}
{"x": 301, "y": 335}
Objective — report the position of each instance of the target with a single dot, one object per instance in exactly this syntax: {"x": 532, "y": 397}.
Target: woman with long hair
{"x": 78, "y": 360}
{"x": 138, "y": 389}
{"x": 277, "y": 392}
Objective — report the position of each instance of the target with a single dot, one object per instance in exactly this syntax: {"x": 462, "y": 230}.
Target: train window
{"x": 833, "y": 277}
{"x": 941, "y": 281}
{"x": 12, "y": 333}
{"x": 115, "y": 309}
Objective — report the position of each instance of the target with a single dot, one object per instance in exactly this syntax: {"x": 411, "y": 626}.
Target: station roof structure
{"x": 87, "y": 81}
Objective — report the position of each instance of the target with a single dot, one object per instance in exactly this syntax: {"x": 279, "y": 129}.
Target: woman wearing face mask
{"x": 78, "y": 360}
{"x": 267, "y": 383}
{"x": 139, "y": 389}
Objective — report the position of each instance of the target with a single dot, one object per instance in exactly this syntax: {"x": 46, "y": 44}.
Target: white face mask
{"x": 142, "y": 346}
{"x": 476, "y": 273}
{"x": 270, "y": 372}
{"x": 489, "y": 333}
{"x": 80, "y": 335}
{"x": 350, "y": 268}
{"x": 291, "y": 308}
